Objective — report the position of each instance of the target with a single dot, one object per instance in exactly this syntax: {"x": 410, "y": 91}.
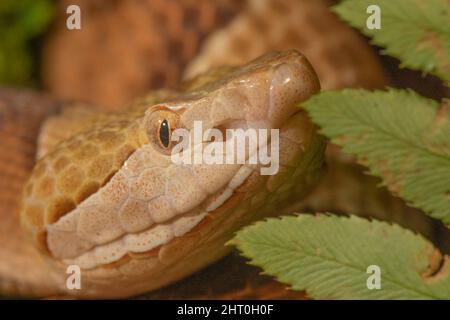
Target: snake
{"x": 106, "y": 196}
{"x": 96, "y": 189}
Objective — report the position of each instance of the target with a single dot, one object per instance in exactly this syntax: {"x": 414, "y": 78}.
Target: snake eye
{"x": 159, "y": 125}
{"x": 164, "y": 133}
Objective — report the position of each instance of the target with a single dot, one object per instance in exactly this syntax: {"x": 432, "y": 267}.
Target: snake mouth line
{"x": 160, "y": 234}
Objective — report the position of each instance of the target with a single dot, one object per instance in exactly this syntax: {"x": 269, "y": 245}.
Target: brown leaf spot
{"x": 431, "y": 41}
{"x": 438, "y": 267}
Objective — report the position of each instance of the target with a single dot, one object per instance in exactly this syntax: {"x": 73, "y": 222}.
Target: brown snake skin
{"x": 111, "y": 66}
{"x": 21, "y": 114}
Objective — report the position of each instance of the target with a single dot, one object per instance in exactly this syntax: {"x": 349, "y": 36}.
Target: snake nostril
{"x": 231, "y": 124}
{"x": 225, "y": 130}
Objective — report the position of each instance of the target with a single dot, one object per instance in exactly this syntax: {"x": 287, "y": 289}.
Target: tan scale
{"x": 341, "y": 59}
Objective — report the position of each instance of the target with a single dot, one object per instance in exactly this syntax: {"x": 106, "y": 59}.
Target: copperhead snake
{"x": 90, "y": 198}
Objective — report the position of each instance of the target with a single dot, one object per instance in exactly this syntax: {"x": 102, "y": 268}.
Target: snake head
{"x": 160, "y": 215}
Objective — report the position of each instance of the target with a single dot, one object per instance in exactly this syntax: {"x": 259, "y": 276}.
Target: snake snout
{"x": 291, "y": 82}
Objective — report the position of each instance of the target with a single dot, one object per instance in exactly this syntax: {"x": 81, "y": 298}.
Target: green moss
{"x": 21, "y": 23}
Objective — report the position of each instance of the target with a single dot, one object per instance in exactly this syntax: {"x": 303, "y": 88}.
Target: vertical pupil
{"x": 164, "y": 133}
